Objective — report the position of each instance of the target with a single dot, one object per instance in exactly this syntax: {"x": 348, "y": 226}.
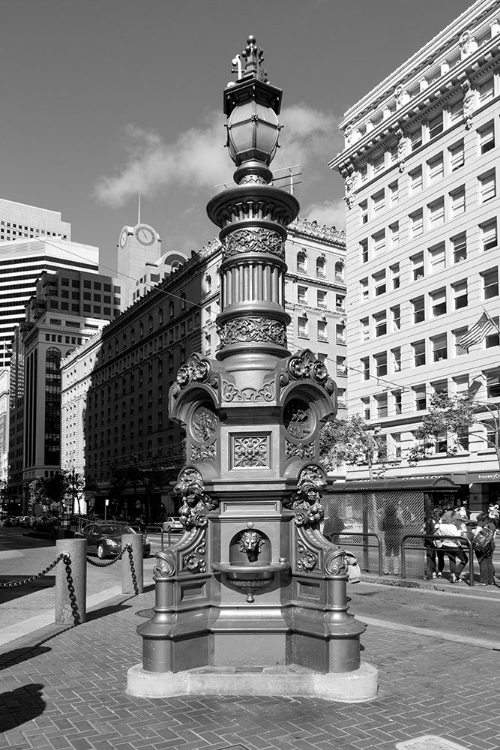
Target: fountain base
{"x": 359, "y": 686}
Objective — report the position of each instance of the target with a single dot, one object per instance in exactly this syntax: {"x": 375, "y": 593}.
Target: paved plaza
{"x": 65, "y": 689}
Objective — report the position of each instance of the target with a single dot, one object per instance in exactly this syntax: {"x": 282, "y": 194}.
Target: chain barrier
{"x": 132, "y": 568}
{"x": 99, "y": 564}
{"x": 15, "y": 584}
{"x": 71, "y": 589}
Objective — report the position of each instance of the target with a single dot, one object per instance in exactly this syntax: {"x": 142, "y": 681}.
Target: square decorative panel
{"x": 250, "y": 451}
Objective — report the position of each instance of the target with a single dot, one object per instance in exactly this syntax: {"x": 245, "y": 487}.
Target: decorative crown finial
{"x": 253, "y": 55}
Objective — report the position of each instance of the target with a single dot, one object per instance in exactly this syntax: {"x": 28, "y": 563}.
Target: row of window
{"x": 435, "y": 214}
{"x": 303, "y": 330}
{"x": 321, "y": 298}
{"x": 320, "y": 266}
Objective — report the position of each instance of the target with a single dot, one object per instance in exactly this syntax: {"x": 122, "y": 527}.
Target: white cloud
{"x": 331, "y": 213}
{"x": 197, "y": 158}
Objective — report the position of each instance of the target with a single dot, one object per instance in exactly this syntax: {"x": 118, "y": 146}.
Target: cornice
{"x": 420, "y": 107}
{"x": 422, "y": 59}
{"x": 311, "y": 229}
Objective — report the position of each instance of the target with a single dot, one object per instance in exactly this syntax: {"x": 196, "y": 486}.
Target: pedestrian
{"x": 483, "y": 542}
{"x": 392, "y": 526}
{"x": 447, "y": 527}
{"x": 435, "y": 554}
{"x": 333, "y": 527}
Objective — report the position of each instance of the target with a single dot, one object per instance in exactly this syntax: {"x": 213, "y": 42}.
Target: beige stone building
{"x": 421, "y": 168}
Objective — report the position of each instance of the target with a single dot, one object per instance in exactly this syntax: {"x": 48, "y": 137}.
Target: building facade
{"x": 61, "y": 315}
{"x": 126, "y": 416}
{"x": 421, "y": 166}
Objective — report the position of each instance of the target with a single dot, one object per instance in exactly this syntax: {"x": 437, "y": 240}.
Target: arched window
{"x": 321, "y": 267}
{"x": 132, "y": 336}
{"x": 302, "y": 262}
{"x": 183, "y": 301}
{"x": 124, "y": 340}
{"x": 141, "y": 329}
{"x": 160, "y": 316}
{"x": 339, "y": 271}
{"x": 171, "y": 309}
{"x": 208, "y": 283}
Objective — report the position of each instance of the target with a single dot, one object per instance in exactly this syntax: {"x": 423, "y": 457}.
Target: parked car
{"x": 105, "y": 538}
{"x": 172, "y": 524}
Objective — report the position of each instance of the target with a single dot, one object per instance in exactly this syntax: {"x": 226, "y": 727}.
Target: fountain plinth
{"x": 252, "y": 598}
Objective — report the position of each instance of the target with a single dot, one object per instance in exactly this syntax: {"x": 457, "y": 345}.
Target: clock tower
{"x": 136, "y": 246}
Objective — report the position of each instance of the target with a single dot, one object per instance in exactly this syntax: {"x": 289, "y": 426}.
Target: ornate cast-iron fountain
{"x": 252, "y": 583}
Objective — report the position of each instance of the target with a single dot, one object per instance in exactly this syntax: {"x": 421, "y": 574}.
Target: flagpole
{"x": 490, "y": 319}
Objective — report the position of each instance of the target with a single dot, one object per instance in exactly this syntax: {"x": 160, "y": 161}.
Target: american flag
{"x": 478, "y": 331}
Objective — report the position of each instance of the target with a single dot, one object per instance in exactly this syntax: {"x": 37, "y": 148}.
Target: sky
{"x": 103, "y": 99}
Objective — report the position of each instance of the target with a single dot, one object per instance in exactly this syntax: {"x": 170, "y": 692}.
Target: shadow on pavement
{"x": 21, "y": 705}
{"x": 14, "y": 592}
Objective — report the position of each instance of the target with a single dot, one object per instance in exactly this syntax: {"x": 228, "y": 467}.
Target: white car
{"x": 172, "y": 524}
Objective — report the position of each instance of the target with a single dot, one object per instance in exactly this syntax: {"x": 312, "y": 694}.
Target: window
{"x": 490, "y": 283}
{"x": 365, "y": 367}
{"x": 394, "y": 234}
{"x": 396, "y": 359}
{"x": 493, "y": 339}
{"x": 363, "y": 207}
{"x": 460, "y": 294}
{"x": 396, "y": 317}
{"x": 436, "y": 213}
{"x": 339, "y": 271}
{"x": 365, "y": 408}
{"x": 457, "y": 202}
{"x": 440, "y": 387}
{"x": 437, "y": 258}
{"x": 321, "y": 267}
{"x": 416, "y": 138}
{"x": 418, "y": 353}
{"x": 416, "y": 180}
{"x": 340, "y": 333}
{"x": 393, "y": 194}
{"x": 435, "y": 168}
{"x": 378, "y": 202}
{"x": 379, "y": 283}
{"x": 489, "y": 234}
{"x": 321, "y": 298}
{"x": 458, "y": 334}
{"x": 456, "y": 156}
{"x": 302, "y": 295}
{"x": 490, "y": 434}
{"x": 486, "y": 91}
{"x": 438, "y": 303}
{"x": 381, "y": 364}
{"x": 420, "y": 397}
{"x": 364, "y": 289}
{"x": 381, "y": 402}
{"x": 440, "y": 444}
{"x": 396, "y": 444}
{"x": 341, "y": 399}
{"x": 302, "y": 327}
{"x": 459, "y": 247}
{"x": 455, "y": 111}
{"x": 395, "y": 277}
{"x": 398, "y": 403}
{"x": 322, "y": 330}
{"x": 365, "y": 329}
{"x": 439, "y": 348}
{"x": 378, "y": 240}
{"x": 418, "y": 309}
{"x": 493, "y": 384}
{"x": 341, "y": 367}
{"x": 417, "y": 266}
{"x": 378, "y": 163}
{"x": 435, "y": 126}
{"x": 487, "y": 187}
{"x": 416, "y": 223}
{"x": 380, "y": 321}
{"x": 363, "y": 246}
{"x": 301, "y": 262}
{"x": 461, "y": 386}
{"x": 486, "y": 138}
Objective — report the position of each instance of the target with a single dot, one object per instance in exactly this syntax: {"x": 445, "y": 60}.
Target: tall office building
{"x": 421, "y": 166}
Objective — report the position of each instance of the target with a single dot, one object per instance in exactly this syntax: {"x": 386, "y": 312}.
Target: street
{"x": 462, "y": 612}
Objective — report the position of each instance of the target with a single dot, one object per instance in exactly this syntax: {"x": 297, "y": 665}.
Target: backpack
{"x": 483, "y": 539}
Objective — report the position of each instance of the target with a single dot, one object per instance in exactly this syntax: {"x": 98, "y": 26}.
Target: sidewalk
{"x": 65, "y": 689}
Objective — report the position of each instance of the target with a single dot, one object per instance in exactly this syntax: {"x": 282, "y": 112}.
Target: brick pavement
{"x": 64, "y": 689}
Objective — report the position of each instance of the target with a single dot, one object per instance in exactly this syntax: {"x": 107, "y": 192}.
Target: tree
{"x": 449, "y": 420}
{"x": 354, "y": 442}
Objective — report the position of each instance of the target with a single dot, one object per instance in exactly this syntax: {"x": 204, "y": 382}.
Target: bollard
{"x": 71, "y": 591}
{"x": 135, "y": 540}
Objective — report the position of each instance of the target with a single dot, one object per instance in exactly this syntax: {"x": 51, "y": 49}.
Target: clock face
{"x": 144, "y": 235}
{"x": 123, "y": 238}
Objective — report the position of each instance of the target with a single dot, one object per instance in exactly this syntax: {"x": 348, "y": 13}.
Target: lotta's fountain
{"x": 252, "y": 598}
